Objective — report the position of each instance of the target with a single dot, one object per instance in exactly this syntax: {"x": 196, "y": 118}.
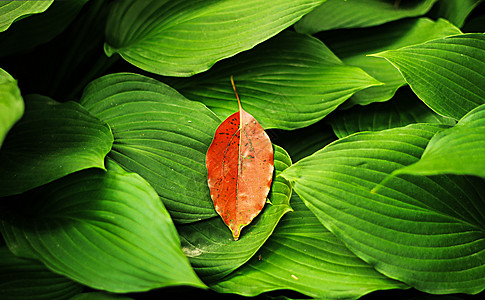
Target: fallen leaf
{"x": 240, "y": 169}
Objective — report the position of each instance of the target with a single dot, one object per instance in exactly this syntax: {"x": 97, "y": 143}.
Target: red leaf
{"x": 240, "y": 169}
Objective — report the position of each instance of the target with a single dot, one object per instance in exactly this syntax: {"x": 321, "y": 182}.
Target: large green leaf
{"x": 12, "y": 10}
{"x": 29, "y": 279}
{"x": 288, "y": 82}
{"x": 455, "y": 11}
{"x": 11, "y": 104}
{"x": 354, "y": 46}
{"x": 108, "y": 230}
{"x": 304, "y": 256}
{"x": 39, "y": 28}
{"x": 51, "y": 141}
{"x": 403, "y": 109}
{"x": 160, "y": 135}
{"x": 428, "y": 232}
{"x": 186, "y": 37}
{"x": 335, "y": 14}
{"x": 209, "y": 245}
{"x": 458, "y": 150}
{"x": 448, "y": 74}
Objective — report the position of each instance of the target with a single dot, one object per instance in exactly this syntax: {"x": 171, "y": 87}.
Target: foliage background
{"x": 377, "y": 114}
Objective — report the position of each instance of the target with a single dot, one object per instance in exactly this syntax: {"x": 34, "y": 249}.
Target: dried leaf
{"x": 240, "y": 169}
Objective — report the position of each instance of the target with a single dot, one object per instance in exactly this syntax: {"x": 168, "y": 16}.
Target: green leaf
{"x": 403, "y": 109}
{"x": 160, "y": 135}
{"x": 458, "y": 150}
{"x": 209, "y": 245}
{"x": 289, "y": 82}
{"x": 303, "y": 256}
{"x": 13, "y": 10}
{"x": 100, "y": 296}
{"x": 425, "y": 231}
{"x": 455, "y": 11}
{"x": 335, "y": 14}
{"x": 29, "y": 279}
{"x": 108, "y": 230}
{"x": 187, "y": 37}
{"x": 51, "y": 141}
{"x": 40, "y": 28}
{"x": 11, "y": 104}
{"x": 447, "y": 74}
{"x": 354, "y": 47}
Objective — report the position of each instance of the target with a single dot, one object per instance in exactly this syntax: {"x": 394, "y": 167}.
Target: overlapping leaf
{"x": 458, "y": 150}
{"x": 354, "y": 46}
{"x": 187, "y": 37}
{"x": 303, "y": 256}
{"x": 455, "y": 11}
{"x": 12, "y": 10}
{"x": 289, "y": 82}
{"x": 39, "y": 28}
{"x": 447, "y": 74}
{"x": 335, "y": 14}
{"x": 425, "y": 231}
{"x": 11, "y": 104}
{"x": 108, "y": 230}
{"x": 29, "y": 279}
{"x": 50, "y": 141}
{"x": 403, "y": 109}
{"x": 160, "y": 135}
{"x": 210, "y": 246}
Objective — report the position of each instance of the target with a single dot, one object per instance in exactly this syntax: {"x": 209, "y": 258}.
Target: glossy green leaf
{"x": 13, "y": 10}
{"x": 108, "y": 230}
{"x": 458, "y": 150}
{"x": 187, "y": 37}
{"x": 11, "y": 104}
{"x": 455, "y": 11}
{"x": 160, "y": 135}
{"x": 403, "y": 109}
{"x": 288, "y": 82}
{"x": 100, "y": 296}
{"x": 22, "y": 278}
{"x": 303, "y": 256}
{"x": 39, "y": 28}
{"x": 447, "y": 74}
{"x": 50, "y": 141}
{"x": 428, "y": 232}
{"x": 335, "y": 14}
{"x": 211, "y": 248}
{"x": 354, "y": 46}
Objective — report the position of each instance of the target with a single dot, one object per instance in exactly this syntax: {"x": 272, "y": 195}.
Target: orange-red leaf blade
{"x": 240, "y": 169}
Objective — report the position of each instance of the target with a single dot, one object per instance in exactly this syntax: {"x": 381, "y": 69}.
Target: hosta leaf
{"x": 335, "y": 14}
{"x": 455, "y": 11}
{"x": 458, "y": 150}
{"x": 448, "y": 74}
{"x": 354, "y": 46}
{"x": 210, "y": 246}
{"x": 303, "y": 256}
{"x": 160, "y": 135}
{"x": 100, "y": 296}
{"x": 425, "y": 231}
{"x": 240, "y": 169}
{"x": 50, "y": 141}
{"x": 288, "y": 82}
{"x": 108, "y": 230}
{"x": 403, "y": 109}
{"x": 29, "y": 279}
{"x": 187, "y": 37}
{"x": 39, "y": 28}
{"x": 12, "y": 10}
{"x": 11, "y": 104}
